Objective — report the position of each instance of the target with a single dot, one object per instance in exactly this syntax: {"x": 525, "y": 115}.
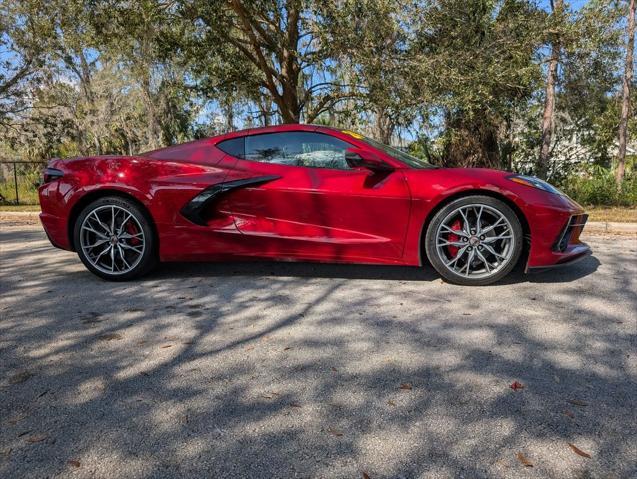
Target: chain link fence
{"x": 19, "y": 181}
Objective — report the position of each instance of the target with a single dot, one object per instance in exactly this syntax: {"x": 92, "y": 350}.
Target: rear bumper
{"x": 55, "y": 229}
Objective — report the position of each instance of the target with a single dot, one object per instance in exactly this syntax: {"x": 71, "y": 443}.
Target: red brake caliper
{"x": 456, "y": 226}
{"x": 132, "y": 230}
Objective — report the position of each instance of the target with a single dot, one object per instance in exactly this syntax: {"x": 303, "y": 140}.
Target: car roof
{"x": 351, "y": 137}
{"x": 265, "y": 129}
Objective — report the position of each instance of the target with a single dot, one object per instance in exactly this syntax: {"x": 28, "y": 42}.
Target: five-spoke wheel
{"x": 114, "y": 239}
{"x": 474, "y": 240}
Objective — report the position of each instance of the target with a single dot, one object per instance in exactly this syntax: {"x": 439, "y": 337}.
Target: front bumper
{"x": 577, "y": 254}
{"x": 552, "y": 248}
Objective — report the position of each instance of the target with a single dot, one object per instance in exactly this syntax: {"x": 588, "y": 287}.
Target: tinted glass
{"x": 233, "y": 147}
{"x": 298, "y": 148}
{"x": 399, "y": 155}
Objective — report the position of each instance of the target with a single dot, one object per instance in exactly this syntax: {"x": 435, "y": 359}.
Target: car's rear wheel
{"x": 115, "y": 239}
{"x": 474, "y": 240}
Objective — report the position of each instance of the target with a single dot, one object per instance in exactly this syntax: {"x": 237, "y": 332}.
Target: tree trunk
{"x": 549, "y": 101}
{"x": 265, "y": 109}
{"x": 153, "y": 127}
{"x": 628, "y": 77}
{"x": 260, "y": 44}
{"x": 228, "y": 110}
{"x": 384, "y": 126}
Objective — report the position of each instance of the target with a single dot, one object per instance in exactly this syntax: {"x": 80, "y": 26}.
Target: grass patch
{"x": 612, "y": 213}
{"x": 27, "y": 208}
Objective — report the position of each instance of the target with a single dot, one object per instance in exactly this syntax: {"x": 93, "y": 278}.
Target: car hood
{"x": 431, "y": 184}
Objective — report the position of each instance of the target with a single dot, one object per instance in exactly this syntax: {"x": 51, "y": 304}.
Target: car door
{"x": 307, "y": 202}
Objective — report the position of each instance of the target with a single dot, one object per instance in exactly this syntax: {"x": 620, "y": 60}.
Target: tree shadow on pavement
{"x": 268, "y": 370}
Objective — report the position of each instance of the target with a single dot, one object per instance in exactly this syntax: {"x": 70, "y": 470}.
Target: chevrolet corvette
{"x": 304, "y": 193}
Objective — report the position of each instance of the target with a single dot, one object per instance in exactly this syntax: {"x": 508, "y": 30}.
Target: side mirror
{"x": 359, "y": 158}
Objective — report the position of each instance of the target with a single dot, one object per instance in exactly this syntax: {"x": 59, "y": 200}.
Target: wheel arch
{"x": 88, "y": 198}
{"x": 477, "y": 192}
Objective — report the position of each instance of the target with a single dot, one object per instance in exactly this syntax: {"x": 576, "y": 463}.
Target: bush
{"x": 597, "y": 186}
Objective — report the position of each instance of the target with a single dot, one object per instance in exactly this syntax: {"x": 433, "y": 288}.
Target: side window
{"x": 233, "y": 147}
{"x": 298, "y": 148}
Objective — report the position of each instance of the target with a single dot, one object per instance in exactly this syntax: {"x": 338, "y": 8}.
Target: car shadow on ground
{"x": 562, "y": 274}
{"x": 301, "y": 269}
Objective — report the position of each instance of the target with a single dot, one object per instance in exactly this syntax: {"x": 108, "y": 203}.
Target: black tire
{"x": 513, "y": 253}
{"x": 144, "y": 261}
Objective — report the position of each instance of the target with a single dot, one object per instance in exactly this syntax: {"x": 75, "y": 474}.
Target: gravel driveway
{"x": 296, "y": 370}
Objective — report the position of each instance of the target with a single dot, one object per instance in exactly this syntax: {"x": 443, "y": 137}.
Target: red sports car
{"x": 304, "y": 193}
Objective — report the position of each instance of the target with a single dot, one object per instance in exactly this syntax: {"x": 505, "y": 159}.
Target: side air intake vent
{"x": 571, "y": 232}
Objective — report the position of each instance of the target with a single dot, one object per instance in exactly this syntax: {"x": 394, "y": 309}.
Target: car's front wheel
{"x": 115, "y": 240}
{"x": 474, "y": 240}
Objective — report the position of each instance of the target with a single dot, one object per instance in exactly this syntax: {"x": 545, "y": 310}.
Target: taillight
{"x": 51, "y": 174}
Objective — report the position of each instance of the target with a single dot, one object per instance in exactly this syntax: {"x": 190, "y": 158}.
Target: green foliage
{"x": 28, "y": 176}
{"x": 596, "y": 186}
{"x": 476, "y": 61}
{"x": 461, "y": 82}
{"x": 25, "y": 32}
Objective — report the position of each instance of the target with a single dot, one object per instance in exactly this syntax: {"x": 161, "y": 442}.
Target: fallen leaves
{"x": 166, "y": 346}
{"x": 524, "y": 460}
{"x": 577, "y": 402}
{"x": 406, "y": 386}
{"x": 391, "y": 403}
{"x": 75, "y": 463}
{"x": 110, "y": 337}
{"x": 91, "y": 318}
{"x": 335, "y": 432}
{"x": 35, "y": 438}
{"x": 20, "y": 377}
{"x": 569, "y": 414}
{"x": 578, "y": 451}
{"x": 516, "y": 385}
{"x": 295, "y": 404}
{"x": 17, "y": 418}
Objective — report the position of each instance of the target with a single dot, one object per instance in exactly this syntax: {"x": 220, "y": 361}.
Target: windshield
{"x": 396, "y": 153}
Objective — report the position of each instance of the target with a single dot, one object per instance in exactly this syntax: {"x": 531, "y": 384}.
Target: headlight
{"x": 534, "y": 182}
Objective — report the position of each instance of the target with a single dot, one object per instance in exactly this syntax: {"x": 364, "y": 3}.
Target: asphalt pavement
{"x": 302, "y": 370}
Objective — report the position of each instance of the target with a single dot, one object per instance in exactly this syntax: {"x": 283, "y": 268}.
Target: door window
{"x": 297, "y": 148}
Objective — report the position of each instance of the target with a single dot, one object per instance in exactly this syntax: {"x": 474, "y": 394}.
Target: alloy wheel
{"x": 112, "y": 239}
{"x": 475, "y": 241}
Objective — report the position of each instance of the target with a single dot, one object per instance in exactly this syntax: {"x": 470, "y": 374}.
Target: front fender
{"x": 543, "y": 214}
